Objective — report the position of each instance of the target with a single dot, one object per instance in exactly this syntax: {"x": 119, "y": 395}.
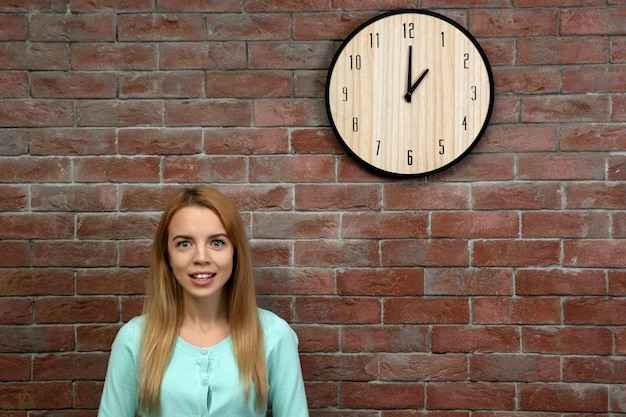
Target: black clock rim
{"x": 467, "y": 33}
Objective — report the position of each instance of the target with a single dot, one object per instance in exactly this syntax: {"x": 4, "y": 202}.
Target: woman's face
{"x": 200, "y": 253}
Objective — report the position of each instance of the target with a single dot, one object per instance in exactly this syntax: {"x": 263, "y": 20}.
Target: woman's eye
{"x": 183, "y": 244}
{"x": 218, "y": 243}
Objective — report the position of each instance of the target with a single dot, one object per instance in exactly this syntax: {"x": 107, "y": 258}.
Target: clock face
{"x": 409, "y": 92}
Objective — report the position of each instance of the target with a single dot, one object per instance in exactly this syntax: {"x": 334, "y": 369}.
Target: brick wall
{"x": 497, "y": 287}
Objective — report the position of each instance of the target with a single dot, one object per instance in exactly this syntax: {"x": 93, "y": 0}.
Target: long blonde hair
{"x": 163, "y": 306}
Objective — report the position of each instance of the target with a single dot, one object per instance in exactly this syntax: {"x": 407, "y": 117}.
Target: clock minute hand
{"x": 410, "y": 91}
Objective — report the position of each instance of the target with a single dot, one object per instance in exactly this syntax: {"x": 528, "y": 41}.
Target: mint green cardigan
{"x": 205, "y": 382}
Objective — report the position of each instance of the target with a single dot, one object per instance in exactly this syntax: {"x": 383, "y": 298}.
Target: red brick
{"x": 620, "y": 341}
{"x": 14, "y": 84}
{"x": 117, "y": 169}
{"x": 152, "y": 141}
{"x": 596, "y": 137}
{"x": 594, "y": 253}
{"x": 203, "y": 56}
{"x": 34, "y": 56}
{"x": 246, "y": 141}
{"x": 70, "y": 366}
{"x": 204, "y": 169}
{"x": 597, "y": 79}
{"x": 617, "y": 283}
{"x": 246, "y": 26}
{"x": 244, "y": 84}
{"x": 72, "y": 27}
{"x": 207, "y": 113}
{"x": 474, "y": 281}
{"x": 426, "y": 196}
{"x": 131, "y": 307}
{"x": 301, "y": 168}
{"x": 522, "y": 80}
{"x": 514, "y": 22}
{"x": 198, "y": 6}
{"x": 16, "y": 311}
{"x": 338, "y": 310}
{"x": 617, "y": 393}
{"x": 33, "y": 6}
{"x": 13, "y": 27}
{"x": 567, "y": 340}
{"x": 475, "y": 339}
{"x": 36, "y": 113}
{"x": 596, "y": 194}
{"x": 315, "y": 140}
{"x": 498, "y": 310}
{"x": 76, "y": 310}
{"x": 559, "y": 397}
{"x": 108, "y": 6}
{"x": 72, "y": 141}
{"x": 117, "y": 56}
{"x": 73, "y": 85}
{"x": 559, "y": 281}
{"x": 423, "y": 367}
{"x": 515, "y": 368}
{"x": 385, "y": 395}
{"x": 111, "y": 281}
{"x": 570, "y": 108}
{"x": 519, "y": 138}
{"x": 431, "y": 310}
{"x": 13, "y": 198}
{"x": 288, "y": 112}
{"x": 346, "y": 253}
{"x": 309, "y": 281}
{"x": 284, "y": 5}
{"x": 470, "y": 395}
{"x": 386, "y": 339}
{"x": 36, "y": 395}
{"x": 177, "y": 84}
{"x": 385, "y": 225}
{"x": 30, "y": 282}
{"x": 510, "y": 253}
{"x": 492, "y": 224}
{"x": 36, "y": 226}
{"x": 425, "y": 252}
{"x": 119, "y": 113}
{"x": 560, "y": 167}
{"x": 381, "y": 282}
{"x": 122, "y": 226}
{"x": 323, "y": 26}
{"x": 74, "y": 253}
{"x": 616, "y": 165}
{"x": 314, "y": 338}
{"x": 595, "y": 311}
{"x": 33, "y": 169}
{"x": 337, "y": 197}
{"x": 345, "y": 367}
{"x": 568, "y": 50}
{"x": 14, "y": 142}
{"x": 475, "y": 166}
{"x": 617, "y": 47}
{"x": 295, "y": 225}
{"x": 593, "y": 21}
{"x": 87, "y": 394}
{"x": 134, "y": 253}
{"x": 14, "y": 253}
{"x": 282, "y": 55}
{"x": 95, "y": 338}
{"x": 161, "y": 27}
{"x": 563, "y": 224}
{"x": 14, "y": 368}
{"x": 37, "y": 339}
{"x": 93, "y": 197}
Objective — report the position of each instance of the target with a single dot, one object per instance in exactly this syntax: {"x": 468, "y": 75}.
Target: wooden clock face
{"x": 409, "y": 92}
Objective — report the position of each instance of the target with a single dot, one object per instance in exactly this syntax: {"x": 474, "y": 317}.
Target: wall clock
{"x": 409, "y": 92}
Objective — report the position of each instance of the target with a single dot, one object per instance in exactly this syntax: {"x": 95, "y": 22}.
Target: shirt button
{"x": 204, "y": 351}
{"x": 205, "y": 382}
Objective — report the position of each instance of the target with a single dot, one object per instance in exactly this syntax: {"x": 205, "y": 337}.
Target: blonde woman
{"x": 202, "y": 346}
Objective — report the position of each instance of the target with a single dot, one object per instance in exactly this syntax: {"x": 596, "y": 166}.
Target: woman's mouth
{"x": 202, "y": 277}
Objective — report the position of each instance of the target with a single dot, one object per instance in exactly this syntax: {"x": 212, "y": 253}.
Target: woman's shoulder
{"x": 131, "y": 330}
{"x": 274, "y": 326}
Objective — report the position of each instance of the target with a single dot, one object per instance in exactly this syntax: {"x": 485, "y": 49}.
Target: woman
{"x": 202, "y": 347}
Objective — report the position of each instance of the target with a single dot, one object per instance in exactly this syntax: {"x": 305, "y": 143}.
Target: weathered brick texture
{"x": 494, "y": 288}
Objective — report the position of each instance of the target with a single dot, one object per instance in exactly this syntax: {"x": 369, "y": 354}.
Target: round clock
{"x": 409, "y": 92}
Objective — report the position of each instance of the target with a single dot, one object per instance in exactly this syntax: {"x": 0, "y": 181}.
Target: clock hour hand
{"x": 410, "y": 88}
